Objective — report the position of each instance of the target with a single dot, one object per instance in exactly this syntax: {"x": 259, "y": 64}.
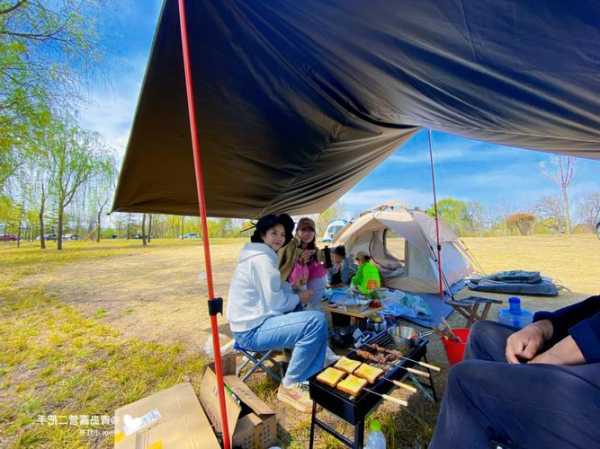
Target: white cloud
{"x": 365, "y": 199}
{"x": 110, "y": 106}
{"x": 422, "y": 157}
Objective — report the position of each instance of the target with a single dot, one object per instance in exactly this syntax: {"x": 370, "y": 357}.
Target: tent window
{"x": 395, "y": 246}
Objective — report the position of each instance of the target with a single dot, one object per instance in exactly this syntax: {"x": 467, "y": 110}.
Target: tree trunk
{"x": 59, "y": 226}
{"x": 128, "y": 226}
{"x": 567, "y": 211}
{"x": 42, "y": 230}
{"x": 144, "y": 242}
{"x": 98, "y": 226}
{"x": 19, "y": 228}
{"x": 181, "y": 232}
{"x": 78, "y": 226}
{"x": 149, "y": 227}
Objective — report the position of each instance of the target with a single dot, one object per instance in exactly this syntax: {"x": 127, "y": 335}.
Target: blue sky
{"x": 503, "y": 179}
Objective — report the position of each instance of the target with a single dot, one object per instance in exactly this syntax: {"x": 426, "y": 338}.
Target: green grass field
{"x": 67, "y": 348}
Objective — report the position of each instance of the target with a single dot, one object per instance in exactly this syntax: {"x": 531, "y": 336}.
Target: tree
{"x": 455, "y": 214}
{"x": 560, "y": 170}
{"x": 589, "y": 209}
{"x": 45, "y": 47}
{"x": 522, "y": 221}
{"x": 550, "y": 210}
{"x": 73, "y": 161}
{"x": 144, "y": 241}
{"x": 101, "y": 189}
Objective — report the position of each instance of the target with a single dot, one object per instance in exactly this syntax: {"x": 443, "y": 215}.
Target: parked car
{"x": 47, "y": 237}
{"x": 8, "y": 238}
{"x": 191, "y": 235}
{"x": 70, "y": 237}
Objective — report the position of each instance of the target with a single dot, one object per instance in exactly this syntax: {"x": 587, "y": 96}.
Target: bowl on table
{"x": 404, "y": 337}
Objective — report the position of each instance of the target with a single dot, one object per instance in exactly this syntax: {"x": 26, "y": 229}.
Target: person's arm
{"x": 572, "y": 335}
{"x": 567, "y": 317}
{"x": 357, "y": 278}
{"x": 565, "y": 352}
{"x": 268, "y": 282}
{"x": 347, "y": 272}
{"x": 577, "y": 324}
{"x": 286, "y": 259}
{"x": 581, "y": 346}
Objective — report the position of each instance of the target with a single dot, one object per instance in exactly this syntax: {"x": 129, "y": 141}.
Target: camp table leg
{"x": 460, "y": 310}
{"x": 472, "y": 315}
{"x": 486, "y": 310}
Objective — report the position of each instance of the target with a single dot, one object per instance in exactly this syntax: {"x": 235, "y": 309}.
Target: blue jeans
{"x": 519, "y": 406}
{"x": 304, "y": 332}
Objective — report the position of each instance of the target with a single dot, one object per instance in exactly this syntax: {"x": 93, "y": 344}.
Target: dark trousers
{"x": 489, "y": 401}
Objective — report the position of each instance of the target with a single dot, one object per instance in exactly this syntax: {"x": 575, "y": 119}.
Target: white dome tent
{"x": 416, "y": 270}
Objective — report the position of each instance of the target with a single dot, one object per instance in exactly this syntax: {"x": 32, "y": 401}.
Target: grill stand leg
{"x": 312, "y": 425}
{"x": 359, "y": 434}
{"x": 359, "y": 431}
{"x": 431, "y": 383}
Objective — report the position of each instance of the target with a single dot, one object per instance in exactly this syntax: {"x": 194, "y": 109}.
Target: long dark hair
{"x": 310, "y": 245}
{"x": 269, "y": 221}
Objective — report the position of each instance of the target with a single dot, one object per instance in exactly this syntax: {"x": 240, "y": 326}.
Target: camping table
{"x": 469, "y": 307}
{"x": 356, "y": 316}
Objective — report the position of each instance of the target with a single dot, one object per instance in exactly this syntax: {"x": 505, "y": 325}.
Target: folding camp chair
{"x": 469, "y": 307}
{"x": 256, "y": 360}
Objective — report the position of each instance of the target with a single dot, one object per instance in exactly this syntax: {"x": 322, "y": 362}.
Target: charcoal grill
{"x": 354, "y": 409}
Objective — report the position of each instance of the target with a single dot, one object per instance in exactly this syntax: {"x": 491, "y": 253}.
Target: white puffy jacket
{"x": 256, "y": 291}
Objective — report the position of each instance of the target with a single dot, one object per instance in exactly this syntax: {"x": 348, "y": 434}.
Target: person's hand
{"x": 524, "y": 345}
{"x": 299, "y": 284}
{"x": 307, "y": 254}
{"x": 305, "y": 296}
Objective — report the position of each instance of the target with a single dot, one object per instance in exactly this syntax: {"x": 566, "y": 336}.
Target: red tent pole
{"x": 214, "y": 303}
{"x": 437, "y": 220}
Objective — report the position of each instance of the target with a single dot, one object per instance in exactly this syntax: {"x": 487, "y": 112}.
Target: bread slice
{"x": 330, "y": 376}
{"x": 346, "y": 364}
{"x": 351, "y": 385}
{"x": 368, "y": 372}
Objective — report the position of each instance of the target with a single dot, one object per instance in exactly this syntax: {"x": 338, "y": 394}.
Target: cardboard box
{"x": 229, "y": 362}
{"x": 252, "y": 423}
{"x": 182, "y": 423}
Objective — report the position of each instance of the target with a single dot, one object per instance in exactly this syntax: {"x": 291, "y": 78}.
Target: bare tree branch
{"x": 13, "y": 7}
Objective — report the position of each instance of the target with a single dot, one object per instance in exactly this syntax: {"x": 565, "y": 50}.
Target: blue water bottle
{"x": 515, "y": 316}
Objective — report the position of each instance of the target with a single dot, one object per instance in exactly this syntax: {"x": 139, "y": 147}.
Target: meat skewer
{"x": 400, "y": 355}
{"x": 402, "y": 385}
{"x": 377, "y": 358}
{"x": 388, "y": 397}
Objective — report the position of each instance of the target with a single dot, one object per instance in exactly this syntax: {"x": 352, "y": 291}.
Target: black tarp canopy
{"x": 299, "y": 99}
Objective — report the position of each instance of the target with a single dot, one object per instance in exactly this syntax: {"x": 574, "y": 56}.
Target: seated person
{"x": 300, "y": 262}
{"x": 538, "y": 387}
{"x": 342, "y": 270}
{"x": 367, "y": 276}
{"x": 259, "y": 306}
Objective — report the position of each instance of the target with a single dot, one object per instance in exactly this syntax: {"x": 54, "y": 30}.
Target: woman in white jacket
{"x": 259, "y": 302}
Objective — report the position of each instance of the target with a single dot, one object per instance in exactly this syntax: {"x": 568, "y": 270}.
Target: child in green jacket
{"x": 367, "y": 277}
